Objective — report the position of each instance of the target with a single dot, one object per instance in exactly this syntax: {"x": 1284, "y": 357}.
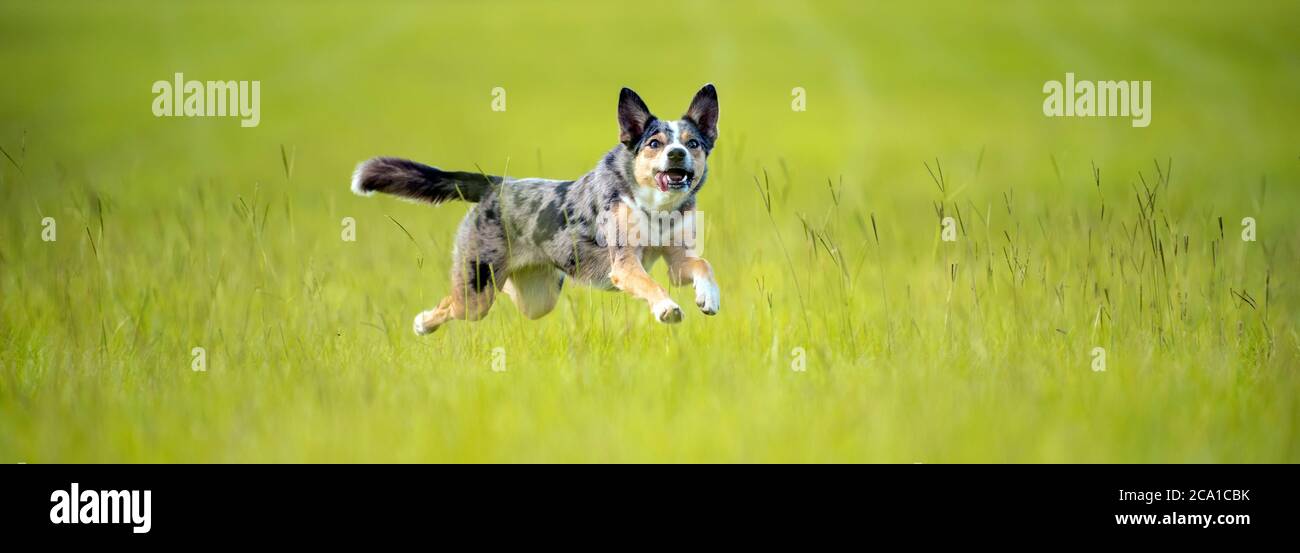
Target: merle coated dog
{"x": 525, "y": 236}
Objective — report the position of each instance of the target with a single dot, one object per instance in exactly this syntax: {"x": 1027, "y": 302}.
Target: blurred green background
{"x": 175, "y": 233}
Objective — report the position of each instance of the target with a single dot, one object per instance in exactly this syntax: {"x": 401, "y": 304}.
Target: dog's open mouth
{"x": 674, "y": 178}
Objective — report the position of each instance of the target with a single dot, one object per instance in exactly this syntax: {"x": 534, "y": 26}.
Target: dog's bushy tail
{"x": 417, "y": 181}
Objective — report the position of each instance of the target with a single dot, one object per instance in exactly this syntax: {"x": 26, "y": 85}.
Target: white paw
{"x": 708, "y": 297}
{"x": 667, "y": 312}
{"x": 420, "y": 328}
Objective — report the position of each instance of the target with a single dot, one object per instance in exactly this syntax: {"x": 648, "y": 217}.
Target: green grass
{"x": 177, "y": 233}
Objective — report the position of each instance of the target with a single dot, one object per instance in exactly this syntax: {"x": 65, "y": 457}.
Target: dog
{"x": 526, "y": 236}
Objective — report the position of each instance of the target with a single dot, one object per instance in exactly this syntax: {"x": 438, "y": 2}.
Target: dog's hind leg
{"x": 477, "y": 271}
{"x": 534, "y": 290}
{"x": 459, "y": 305}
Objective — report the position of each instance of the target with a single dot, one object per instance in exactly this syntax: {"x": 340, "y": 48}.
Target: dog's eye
{"x": 693, "y": 144}
{"x": 653, "y": 144}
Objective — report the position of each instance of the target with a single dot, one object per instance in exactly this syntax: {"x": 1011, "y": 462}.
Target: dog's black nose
{"x": 677, "y": 154}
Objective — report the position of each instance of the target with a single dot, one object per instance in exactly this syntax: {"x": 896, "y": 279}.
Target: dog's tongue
{"x": 669, "y": 178}
{"x": 662, "y": 180}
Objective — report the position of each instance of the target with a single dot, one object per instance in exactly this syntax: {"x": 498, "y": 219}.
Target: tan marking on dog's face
{"x": 697, "y": 153}
{"x": 649, "y": 160}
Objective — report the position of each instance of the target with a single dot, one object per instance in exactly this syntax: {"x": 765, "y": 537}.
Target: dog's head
{"x": 671, "y": 156}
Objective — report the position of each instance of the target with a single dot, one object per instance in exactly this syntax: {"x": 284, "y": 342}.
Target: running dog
{"x": 525, "y": 236}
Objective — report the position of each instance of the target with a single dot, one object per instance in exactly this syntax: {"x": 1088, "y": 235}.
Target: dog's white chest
{"x": 654, "y": 199}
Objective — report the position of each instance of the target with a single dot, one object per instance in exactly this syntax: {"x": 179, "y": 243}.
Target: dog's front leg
{"x": 684, "y": 268}
{"x": 627, "y": 274}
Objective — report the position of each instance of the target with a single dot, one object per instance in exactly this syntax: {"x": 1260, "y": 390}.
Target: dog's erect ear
{"x": 704, "y": 111}
{"x": 633, "y": 116}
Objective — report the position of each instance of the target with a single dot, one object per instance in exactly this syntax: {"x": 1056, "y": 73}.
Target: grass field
{"x": 824, "y": 232}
